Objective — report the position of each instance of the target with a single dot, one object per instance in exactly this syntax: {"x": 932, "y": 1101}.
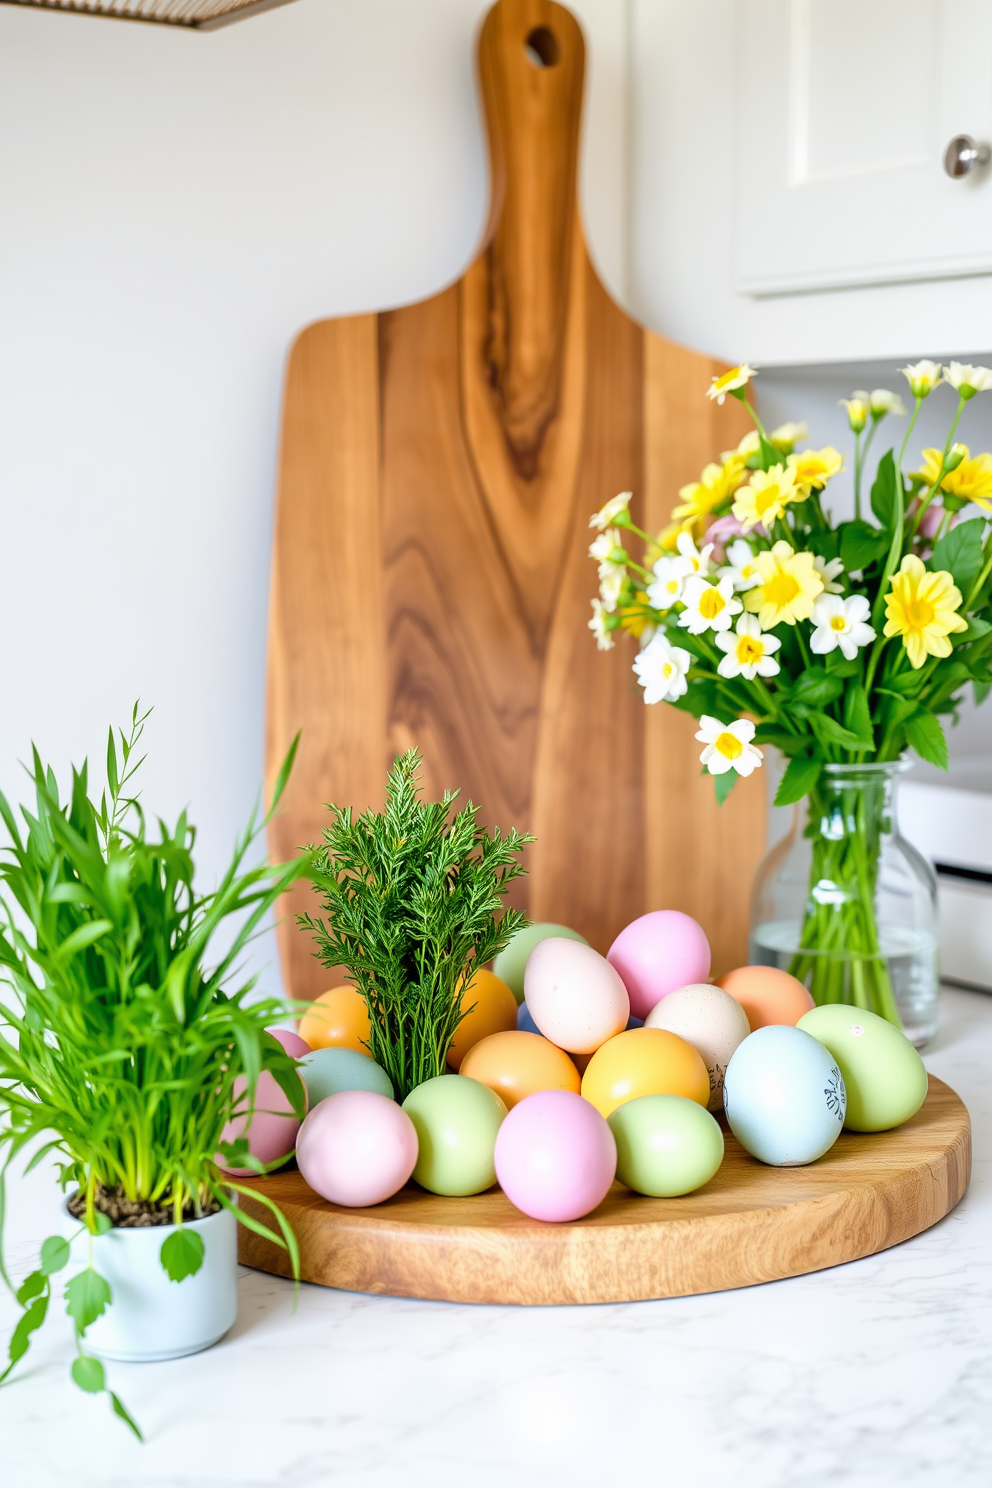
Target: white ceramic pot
{"x": 150, "y": 1317}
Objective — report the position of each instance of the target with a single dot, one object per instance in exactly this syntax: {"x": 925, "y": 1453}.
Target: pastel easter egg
{"x": 885, "y": 1078}
{"x": 273, "y": 1126}
{"x": 329, "y": 1071}
{"x": 512, "y": 960}
{"x": 666, "y": 1145}
{"x": 767, "y": 995}
{"x": 357, "y": 1148}
{"x": 784, "y": 1096}
{"x": 657, "y": 953}
{"x": 555, "y": 1156}
{"x": 518, "y": 1064}
{"x": 644, "y": 1061}
{"x": 456, "y": 1121}
{"x": 295, "y": 1046}
{"x": 338, "y": 1019}
{"x": 712, "y": 1021}
{"x": 493, "y": 1010}
{"x": 575, "y": 997}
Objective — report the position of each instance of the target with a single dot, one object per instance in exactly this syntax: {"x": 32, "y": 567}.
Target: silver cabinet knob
{"x": 964, "y": 155}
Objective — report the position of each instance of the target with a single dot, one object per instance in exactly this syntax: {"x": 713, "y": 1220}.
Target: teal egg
{"x": 885, "y": 1077}
{"x": 329, "y": 1071}
{"x": 666, "y": 1145}
{"x": 456, "y": 1120}
{"x": 783, "y": 1095}
{"x": 509, "y": 964}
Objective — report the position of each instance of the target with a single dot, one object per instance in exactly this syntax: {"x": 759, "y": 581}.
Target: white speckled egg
{"x": 574, "y": 996}
{"x": 709, "y": 1019}
{"x": 784, "y": 1096}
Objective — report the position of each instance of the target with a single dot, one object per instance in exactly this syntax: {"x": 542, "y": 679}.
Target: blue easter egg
{"x": 525, "y": 1021}
{"x": 784, "y": 1096}
{"x": 329, "y": 1071}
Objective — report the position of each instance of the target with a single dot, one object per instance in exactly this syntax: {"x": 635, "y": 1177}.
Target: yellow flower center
{"x": 769, "y": 496}
{"x": 919, "y": 613}
{"x": 729, "y": 746}
{"x": 781, "y": 589}
{"x": 749, "y": 650}
{"x": 711, "y": 603}
{"x": 838, "y": 622}
{"x": 667, "y": 670}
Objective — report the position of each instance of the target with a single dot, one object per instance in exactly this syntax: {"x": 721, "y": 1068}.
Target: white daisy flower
{"x": 749, "y": 651}
{"x": 740, "y": 567}
{"x": 698, "y": 562}
{"x": 728, "y": 746}
{"x": 611, "y": 577}
{"x": 883, "y": 402}
{"x": 599, "y": 628}
{"x": 968, "y": 380}
{"x": 607, "y": 515}
{"x": 708, "y": 606}
{"x": 661, "y": 670}
{"x": 829, "y": 573}
{"x": 841, "y": 622}
{"x": 606, "y": 544}
{"x": 922, "y": 377}
{"x": 669, "y": 581}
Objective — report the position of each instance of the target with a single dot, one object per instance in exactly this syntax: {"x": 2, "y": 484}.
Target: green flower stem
{"x": 741, "y": 395}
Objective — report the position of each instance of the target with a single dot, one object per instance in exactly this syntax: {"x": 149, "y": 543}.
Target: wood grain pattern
{"x": 749, "y": 1224}
{"x": 431, "y": 583}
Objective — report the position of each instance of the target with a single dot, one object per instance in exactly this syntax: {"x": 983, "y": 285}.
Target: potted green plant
{"x": 129, "y": 1039}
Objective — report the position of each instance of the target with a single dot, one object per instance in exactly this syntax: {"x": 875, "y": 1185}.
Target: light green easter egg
{"x": 511, "y": 961}
{"x": 329, "y": 1071}
{"x": 885, "y": 1077}
{"x": 666, "y": 1144}
{"x": 456, "y": 1121}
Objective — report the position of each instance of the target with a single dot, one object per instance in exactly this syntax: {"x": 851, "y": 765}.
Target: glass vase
{"x": 847, "y": 905}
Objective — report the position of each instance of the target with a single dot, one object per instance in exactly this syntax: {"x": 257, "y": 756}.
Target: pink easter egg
{"x": 658, "y": 953}
{"x": 555, "y": 1156}
{"x": 273, "y": 1129}
{"x": 357, "y": 1148}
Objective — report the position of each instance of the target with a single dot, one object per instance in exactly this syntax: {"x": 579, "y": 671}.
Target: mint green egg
{"x": 329, "y": 1071}
{"x": 456, "y": 1120}
{"x": 511, "y": 961}
{"x": 666, "y": 1145}
{"x": 885, "y": 1077}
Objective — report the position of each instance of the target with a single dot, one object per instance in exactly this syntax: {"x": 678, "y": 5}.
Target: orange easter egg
{"x": 338, "y": 1019}
{"x": 767, "y": 995}
{"x": 516, "y": 1064}
{"x": 644, "y": 1061}
{"x": 495, "y": 1011}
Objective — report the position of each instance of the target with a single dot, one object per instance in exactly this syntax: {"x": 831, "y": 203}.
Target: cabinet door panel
{"x": 844, "y": 110}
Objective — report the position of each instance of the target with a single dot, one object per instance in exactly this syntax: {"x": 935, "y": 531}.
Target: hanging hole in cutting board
{"x": 542, "y": 47}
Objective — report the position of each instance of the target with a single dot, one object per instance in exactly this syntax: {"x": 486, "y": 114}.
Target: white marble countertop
{"x": 871, "y": 1375}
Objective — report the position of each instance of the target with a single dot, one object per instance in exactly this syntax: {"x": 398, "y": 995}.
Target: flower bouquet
{"x": 838, "y": 642}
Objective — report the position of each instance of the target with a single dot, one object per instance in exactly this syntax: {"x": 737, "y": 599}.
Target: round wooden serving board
{"x": 750, "y": 1224}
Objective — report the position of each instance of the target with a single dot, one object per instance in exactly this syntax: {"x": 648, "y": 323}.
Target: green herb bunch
{"x": 414, "y": 907}
{"x": 121, "y": 1048}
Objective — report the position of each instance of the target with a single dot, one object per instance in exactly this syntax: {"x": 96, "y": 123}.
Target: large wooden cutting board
{"x": 431, "y": 583}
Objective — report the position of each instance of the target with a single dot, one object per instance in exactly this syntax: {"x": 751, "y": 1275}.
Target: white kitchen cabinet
{"x": 845, "y": 108}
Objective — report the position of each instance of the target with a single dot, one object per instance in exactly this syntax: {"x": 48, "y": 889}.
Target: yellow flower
{"x": 786, "y": 437}
{"x": 716, "y": 483}
{"x": 858, "y": 407}
{"x": 815, "y": 467}
{"x": 971, "y": 478}
{"x": 749, "y": 445}
{"x": 730, "y": 382}
{"x": 788, "y": 589}
{"x": 766, "y": 496}
{"x": 922, "y": 608}
{"x": 637, "y": 616}
{"x": 922, "y": 377}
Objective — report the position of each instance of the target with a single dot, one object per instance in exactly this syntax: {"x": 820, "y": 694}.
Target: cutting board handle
{"x": 531, "y": 59}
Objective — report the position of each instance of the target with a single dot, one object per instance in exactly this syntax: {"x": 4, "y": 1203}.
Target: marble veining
{"x": 871, "y": 1375}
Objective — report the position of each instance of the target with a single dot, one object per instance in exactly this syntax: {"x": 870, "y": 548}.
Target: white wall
{"x": 176, "y": 206}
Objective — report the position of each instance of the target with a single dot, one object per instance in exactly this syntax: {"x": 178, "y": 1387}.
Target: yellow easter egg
{"x": 494, "y": 1011}
{"x": 644, "y": 1061}
{"x": 338, "y": 1019}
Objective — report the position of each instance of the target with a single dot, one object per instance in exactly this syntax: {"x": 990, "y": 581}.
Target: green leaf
{"x": 857, "y": 715}
{"x": 32, "y": 1286}
{"x": 926, "y": 736}
{"x": 959, "y": 553}
{"x": 723, "y": 785}
{"x": 831, "y": 732}
{"x": 905, "y": 684}
{"x": 884, "y": 492}
{"x": 816, "y": 688}
{"x": 767, "y": 733}
{"x": 182, "y": 1253}
{"x": 798, "y": 780}
{"x": 86, "y": 1297}
{"x": 977, "y": 627}
{"x": 85, "y": 936}
{"x": 770, "y": 456}
{"x": 981, "y": 690}
{"x": 839, "y": 666}
{"x": 20, "y": 1340}
{"x": 121, "y": 1410}
{"x": 861, "y": 545}
{"x": 88, "y": 1374}
{"x": 101, "y": 1224}
{"x": 54, "y": 1254}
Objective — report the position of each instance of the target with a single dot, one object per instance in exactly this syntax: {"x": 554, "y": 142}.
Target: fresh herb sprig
{"x": 125, "y": 1049}
{"x": 413, "y": 901}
